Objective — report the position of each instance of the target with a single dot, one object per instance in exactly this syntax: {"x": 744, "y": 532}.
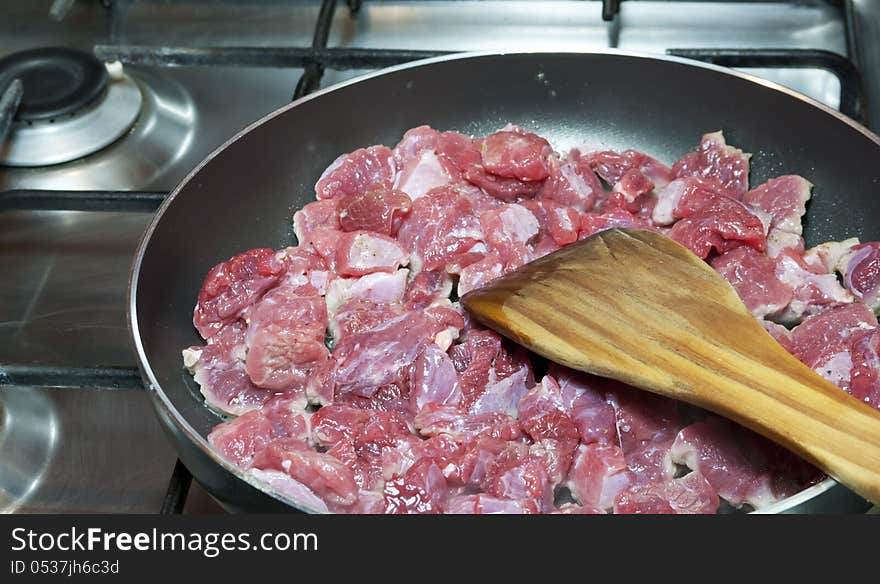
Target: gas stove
{"x": 151, "y": 88}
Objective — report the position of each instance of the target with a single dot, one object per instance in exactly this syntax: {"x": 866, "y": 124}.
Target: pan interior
{"x": 244, "y": 196}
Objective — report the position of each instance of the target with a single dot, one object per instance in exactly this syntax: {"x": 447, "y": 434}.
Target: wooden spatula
{"x": 636, "y": 306}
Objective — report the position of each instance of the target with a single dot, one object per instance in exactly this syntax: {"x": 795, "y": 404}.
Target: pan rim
{"x": 158, "y": 393}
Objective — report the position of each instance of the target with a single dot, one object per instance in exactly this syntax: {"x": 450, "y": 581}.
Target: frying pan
{"x": 244, "y": 194}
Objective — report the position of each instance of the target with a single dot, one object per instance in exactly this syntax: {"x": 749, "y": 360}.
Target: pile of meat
{"x": 359, "y": 384}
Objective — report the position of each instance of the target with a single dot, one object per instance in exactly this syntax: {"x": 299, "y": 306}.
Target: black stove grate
{"x": 315, "y": 60}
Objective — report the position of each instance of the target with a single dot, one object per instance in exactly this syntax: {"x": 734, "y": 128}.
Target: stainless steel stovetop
{"x": 79, "y": 439}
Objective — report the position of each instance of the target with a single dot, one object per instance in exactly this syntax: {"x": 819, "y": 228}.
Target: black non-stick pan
{"x": 244, "y": 194}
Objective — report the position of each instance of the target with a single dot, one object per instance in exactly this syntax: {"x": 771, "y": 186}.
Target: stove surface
{"x": 63, "y": 290}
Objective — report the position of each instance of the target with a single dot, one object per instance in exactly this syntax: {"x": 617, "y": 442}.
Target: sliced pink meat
{"x": 477, "y": 274}
{"x": 482, "y": 504}
{"x": 598, "y": 474}
{"x": 571, "y": 184}
{"x": 433, "y": 379}
{"x": 592, "y": 223}
{"x": 514, "y": 474}
{"x": 291, "y": 488}
{"x": 435, "y": 419}
{"x": 231, "y": 286}
{"x": 382, "y": 355}
{"x": 784, "y": 198}
{"x": 632, "y": 193}
{"x": 812, "y": 292}
{"x": 611, "y": 166}
{"x": 377, "y": 210}
{"x": 683, "y": 197}
{"x": 362, "y": 252}
{"x": 722, "y": 452}
{"x": 545, "y": 412}
{"x": 503, "y": 395}
{"x": 440, "y": 227}
{"x": 425, "y": 172}
{"x": 714, "y": 160}
{"x": 753, "y": 275}
{"x": 219, "y": 370}
{"x": 864, "y": 383}
{"x": 689, "y": 494}
{"x": 285, "y": 339}
{"x": 357, "y": 316}
{"x": 721, "y": 225}
{"x": 516, "y": 154}
{"x": 582, "y": 397}
{"x": 355, "y": 173}
{"x": 861, "y": 273}
{"x": 241, "y": 438}
{"x": 420, "y": 490}
{"x": 483, "y": 359}
{"x": 314, "y": 216}
{"x": 428, "y": 288}
{"x": 642, "y": 417}
{"x": 321, "y": 473}
{"x": 379, "y": 288}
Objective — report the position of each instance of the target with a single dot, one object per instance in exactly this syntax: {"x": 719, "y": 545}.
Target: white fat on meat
{"x": 789, "y": 272}
{"x": 837, "y": 369}
{"x": 519, "y": 223}
{"x": 667, "y": 201}
{"x": 830, "y": 256}
{"x": 420, "y": 175}
{"x": 381, "y": 288}
{"x": 778, "y": 241}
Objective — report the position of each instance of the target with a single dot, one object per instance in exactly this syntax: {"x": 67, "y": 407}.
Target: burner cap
{"x": 57, "y": 81}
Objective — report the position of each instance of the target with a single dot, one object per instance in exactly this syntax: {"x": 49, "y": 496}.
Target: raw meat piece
{"x": 598, "y": 474}
{"x": 502, "y": 188}
{"x": 721, "y": 224}
{"x": 481, "y": 360}
{"x": 830, "y": 256}
{"x": 611, "y": 166}
{"x": 501, "y": 396}
{"x": 780, "y": 333}
{"x": 753, "y": 276}
{"x": 642, "y": 417}
{"x": 778, "y": 242}
{"x": 433, "y": 379}
{"x": 314, "y": 216}
{"x": 714, "y": 160}
{"x": 285, "y": 339}
{"x": 784, "y": 199}
{"x": 380, "y": 288}
{"x": 861, "y": 273}
{"x": 360, "y": 253}
{"x": 435, "y": 419}
{"x": 428, "y": 288}
{"x": 355, "y": 173}
{"x": 573, "y": 509}
{"x": 380, "y": 356}
{"x": 231, "y": 286}
{"x": 487, "y": 505}
{"x": 478, "y": 274}
{"x": 357, "y": 316}
{"x": 291, "y": 488}
{"x": 377, "y": 210}
{"x": 592, "y": 223}
{"x": 582, "y": 397}
{"x": 556, "y": 456}
{"x": 571, "y": 184}
{"x": 559, "y": 222}
{"x": 241, "y": 438}
{"x": 720, "y": 451}
{"x": 219, "y": 369}
{"x": 651, "y": 463}
{"x": 457, "y": 147}
{"x": 545, "y": 412}
{"x": 516, "y": 154}
{"x": 425, "y": 172}
{"x": 324, "y": 475}
{"x": 630, "y": 193}
{"x": 420, "y": 490}
{"x": 811, "y": 292}
{"x": 507, "y": 231}
{"x": 683, "y": 197}
{"x": 307, "y": 273}
{"x": 440, "y": 227}
{"x": 840, "y": 344}
{"x": 689, "y": 494}
{"x": 513, "y": 474}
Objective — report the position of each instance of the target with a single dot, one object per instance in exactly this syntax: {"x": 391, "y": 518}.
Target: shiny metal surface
{"x": 165, "y": 278}
{"x": 106, "y": 453}
{"x": 28, "y": 440}
{"x": 62, "y": 140}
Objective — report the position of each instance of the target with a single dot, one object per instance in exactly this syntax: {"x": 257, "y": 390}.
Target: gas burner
{"x": 72, "y": 106}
